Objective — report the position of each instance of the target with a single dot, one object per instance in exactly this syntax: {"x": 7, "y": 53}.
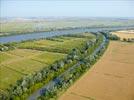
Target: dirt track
{"x": 111, "y": 78}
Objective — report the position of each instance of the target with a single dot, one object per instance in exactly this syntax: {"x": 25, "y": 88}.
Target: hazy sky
{"x": 81, "y": 8}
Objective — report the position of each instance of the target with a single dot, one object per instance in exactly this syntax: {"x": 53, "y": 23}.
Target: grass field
{"x": 111, "y": 78}
{"x": 8, "y": 76}
{"x": 48, "y": 57}
{"x": 20, "y": 62}
{"x": 4, "y": 57}
{"x": 61, "y": 44}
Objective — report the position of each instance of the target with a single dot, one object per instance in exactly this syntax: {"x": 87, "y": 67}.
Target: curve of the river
{"x": 30, "y": 36}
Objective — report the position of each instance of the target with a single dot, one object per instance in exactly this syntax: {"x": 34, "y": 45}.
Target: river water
{"x": 30, "y": 36}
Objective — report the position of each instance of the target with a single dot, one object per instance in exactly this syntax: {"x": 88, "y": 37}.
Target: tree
{"x": 124, "y": 39}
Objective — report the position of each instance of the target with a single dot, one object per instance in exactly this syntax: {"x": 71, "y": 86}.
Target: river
{"x": 30, "y": 36}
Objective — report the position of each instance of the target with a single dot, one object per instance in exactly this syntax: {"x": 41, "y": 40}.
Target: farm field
{"x": 111, "y": 78}
{"x": 22, "y": 61}
{"x": 61, "y": 44}
{"x": 22, "y": 25}
{"x": 124, "y": 34}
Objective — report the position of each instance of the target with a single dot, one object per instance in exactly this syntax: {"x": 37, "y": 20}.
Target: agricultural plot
{"x": 38, "y": 25}
{"x": 48, "y": 57}
{"x": 5, "y": 57}
{"x": 8, "y": 76}
{"x": 17, "y": 55}
{"x": 124, "y": 34}
{"x": 23, "y": 52}
{"x": 61, "y": 44}
{"x": 20, "y": 62}
{"x": 25, "y": 66}
{"x": 111, "y": 78}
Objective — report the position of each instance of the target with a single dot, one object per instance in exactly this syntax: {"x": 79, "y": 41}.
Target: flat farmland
{"x": 61, "y": 44}
{"x": 26, "y": 58}
{"x": 19, "y": 26}
{"x": 8, "y": 76}
{"x": 20, "y": 62}
{"x": 124, "y": 34}
{"x": 111, "y": 78}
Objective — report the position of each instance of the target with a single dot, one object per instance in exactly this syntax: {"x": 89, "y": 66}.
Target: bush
{"x": 6, "y": 47}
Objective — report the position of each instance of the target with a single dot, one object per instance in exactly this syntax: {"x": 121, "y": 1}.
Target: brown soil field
{"x": 111, "y": 78}
{"x": 124, "y": 34}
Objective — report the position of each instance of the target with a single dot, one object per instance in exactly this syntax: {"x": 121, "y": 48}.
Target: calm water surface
{"x": 30, "y": 36}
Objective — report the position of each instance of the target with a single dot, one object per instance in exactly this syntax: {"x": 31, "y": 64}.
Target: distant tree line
{"x": 128, "y": 40}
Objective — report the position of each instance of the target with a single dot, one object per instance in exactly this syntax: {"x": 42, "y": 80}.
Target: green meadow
{"x": 20, "y": 62}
